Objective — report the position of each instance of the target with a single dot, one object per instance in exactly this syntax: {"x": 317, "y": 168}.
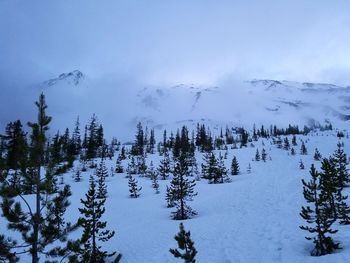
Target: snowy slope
{"x": 254, "y": 219}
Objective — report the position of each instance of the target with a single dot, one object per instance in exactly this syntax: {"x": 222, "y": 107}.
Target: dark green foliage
{"x": 118, "y": 166}
{"x": 263, "y": 155}
{"x": 317, "y": 155}
{"x": 210, "y": 169}
{"x": 294, "y": 140}
{"x": 257, "y": 155}
{"x": 234, "y": 166}
{"x": 320, "y": 216}
{"x": 286, "y": 144}
{"x": 102, "y": 173}
{"x": 181, "y": 190}
{"x": 141, "y": 165}
{"x": 6, "y": 245}
{"x": 95, "y": 233}
{"x": 339, "y": 160}
{"x": 186, "y": 249}
{"x": 15, "y": 143}
{"x": 292, "y": 151}
{"x": 132, "y": 168}
{"x": 303, "y": 150}
{"x": 164, "y": 169}
{"x": 138, "y": 147}
{"x": 133, "y": 188}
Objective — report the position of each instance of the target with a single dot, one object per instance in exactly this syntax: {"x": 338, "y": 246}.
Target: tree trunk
{"x": 35, "y": 257}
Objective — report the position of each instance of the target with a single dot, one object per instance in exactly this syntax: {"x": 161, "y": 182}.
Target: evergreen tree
{"x": 76, "y": 137}
{"x": 294, "y": 140}
{"x": 234, "y": 166}
{"x": 181, "y": 191}
{"x": 170, "y": 197}
{"x": 141, "y": 165}
{"x": 186, "y": 249}
{"x": 102, "y": 173}
{"x": 286, "y": 144}
{"x": 94, "y": 229}
{"x": 138, "y": 147}
{"x": 319, "y": 217}
{"x": 15, "y": 143}
{"x": 132, "y": 168}
{"x": 301, "y": 165}
{"x": 210, "y": 169}
{"x": 133, "y": 188}
{"x": 41, "y": 224}
{"x": 292, "y": 151}
{"x": 118, "y": 166}
{"x": 164, "y": 169}
{"x": 257, "y": 155}
{"x": 221, "y": 170}
{"x": 334, "y": 192}
{"x": 317, "y": 155}
{"x": 303, "y": 150}
{"x": 339, "y": 160}
{"x": 263, "y": 155}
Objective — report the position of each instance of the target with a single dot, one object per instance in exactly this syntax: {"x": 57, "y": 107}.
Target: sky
{"x": 182, "y": 41}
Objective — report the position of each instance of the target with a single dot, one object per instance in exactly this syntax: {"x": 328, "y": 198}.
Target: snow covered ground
{"x": 255, "y": 218}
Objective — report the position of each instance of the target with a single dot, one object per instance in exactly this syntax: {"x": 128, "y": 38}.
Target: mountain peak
{"x": 74, "y": 77}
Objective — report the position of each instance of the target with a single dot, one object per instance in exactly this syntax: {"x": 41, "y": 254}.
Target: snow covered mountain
{"x": 241, "y": 103}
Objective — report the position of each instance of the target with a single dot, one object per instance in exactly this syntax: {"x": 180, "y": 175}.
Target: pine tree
{"x": 170, "y": 197}
{"x": 102, "y": 173}
{"x": 94, "y": 229}
{"x": 257, "y": 155}
{"x": 42, "y": 224}
{"x": 181, "y": 190}
{"x": 263, "y": 155}
{"x": 118, "y": 166}
{"x": 286, "y": 144}
{"x": 301, "y": 165}
{"x": 164, "y": 169}
{"x": 210, "y": 169}
{"x": 234, "y": 166}
{"x": 292, "y": 151}
{"x": 317, "y": 155}
{"x": 319, "y": 217}
{"x": 339, "y": 160}
{"x": 133, "y": 188}
{"x": 186, "y": 246}
{"x": 132, "y": 168}
{"x": 76, "y": 137}
{"x": 6, "y": 244}
{"x": 303, "y": 150}
{"x": 294, "y": 140}
{"x": 222, "y": 172}
{"x": 249, "y": 168}
{"x": 141, "y": 165}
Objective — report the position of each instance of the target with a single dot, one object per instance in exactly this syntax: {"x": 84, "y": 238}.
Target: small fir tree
{"x": 182, "y": 190}
{"x": 317, "y": 155}
{"x": 257, "y": 155}
{"x": 94, "y": 229}
{"x": 164, "y": 169}
{"x": 303, "y": 150}
{"x": 234, "y": 166}
{"x": 133, "y": 188}
{"x": 319, "y": 217}
{"x": 186, "y": 249}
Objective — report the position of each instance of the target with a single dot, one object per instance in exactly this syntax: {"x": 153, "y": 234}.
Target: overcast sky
{"x": 160, "y": 41}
